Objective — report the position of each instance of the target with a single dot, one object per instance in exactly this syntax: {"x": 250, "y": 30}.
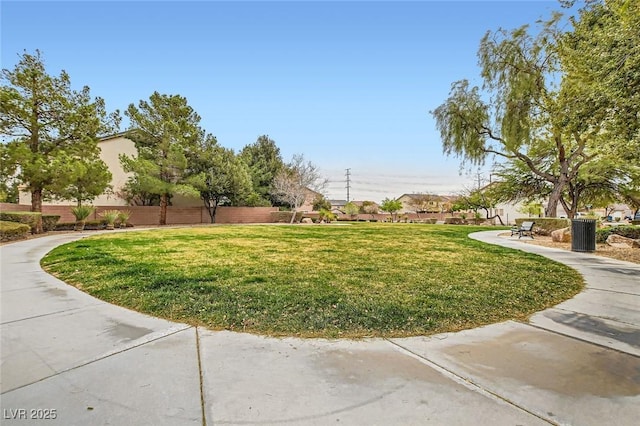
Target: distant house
{"x": 337, "y": 206}
{"x": 616, "y": 212}
{"x": 312, "y": 195}
{"x": 426, "y": 203}
{"x": 110, "y": 149}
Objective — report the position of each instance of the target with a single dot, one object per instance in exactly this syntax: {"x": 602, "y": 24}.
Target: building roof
{"x": 114, "y": 136}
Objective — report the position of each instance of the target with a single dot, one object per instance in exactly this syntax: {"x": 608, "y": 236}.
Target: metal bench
{"x": 526, "y": 229}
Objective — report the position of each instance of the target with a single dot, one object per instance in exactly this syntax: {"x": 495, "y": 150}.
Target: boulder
{"x": 562, "y": 235}
{"x": 307, "y": 220}
{"x": 619, "y": 241}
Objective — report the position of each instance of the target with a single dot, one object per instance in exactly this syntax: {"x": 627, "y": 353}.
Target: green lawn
{"x": 351, "y": 280}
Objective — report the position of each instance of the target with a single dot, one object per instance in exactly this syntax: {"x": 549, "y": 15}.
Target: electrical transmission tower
{"x": 348, "y": 174}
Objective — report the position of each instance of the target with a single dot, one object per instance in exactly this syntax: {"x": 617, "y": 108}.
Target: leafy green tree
{"x": 9, "y": 192}
{"x": 255, "y": 200}
{"x": 321, "y": 203}
{"x": 43, "y": 119}
{"x": 479, "y": 199}
{"x": 85, "y": 180}
{"x": 135, "y": 195}
{"x": 527, "y": 122}
{"x": 326, "y": 215}
{"x": 391, "y": 206}
{"x": 601, "y": 64}
{"x": 292, "y": 184}
{"x": 264, "y": 161}
{"x": 165, "y": 131}
{"x": 351, "y": 209}
{"x": 532, "y": 208}
{"x": 219, "y": 176}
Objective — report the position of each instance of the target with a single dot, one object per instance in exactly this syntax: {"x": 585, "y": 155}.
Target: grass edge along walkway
{"x": 359, "y": 280}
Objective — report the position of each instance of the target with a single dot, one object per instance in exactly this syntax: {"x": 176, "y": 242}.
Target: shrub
{"x": 65, "y": 226}
{"x": 477, "y": 220}
{"x": 110, "y": 217}
{"x": 431, "y": 220}
{"x": 89, "y": 225}
{"x": 123, "y": 217}
{"x": 625, "y": 231}
{"x": 11, "y": 231}
{"x": 326, "y": 215}
{"x": 49, "y": 222}
{"x": 285, "y": 216}
{"x": 454, "y": 221}
{"x": 81, "y": 213}
{"x": 545, "y": 225}
{"x": 28, "y": 218}
{"x": 95, "y": 225}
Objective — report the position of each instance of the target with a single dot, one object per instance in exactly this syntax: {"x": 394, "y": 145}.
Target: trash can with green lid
{"x": 583, "y": 235}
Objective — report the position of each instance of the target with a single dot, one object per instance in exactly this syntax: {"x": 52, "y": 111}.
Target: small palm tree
{"x": 81, "y": 213}
{"x": 110, "y": 216}
{"x": 123, "y": 218}
{"x": 326, "y": 215}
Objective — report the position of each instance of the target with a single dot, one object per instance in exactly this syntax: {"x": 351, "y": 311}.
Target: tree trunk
{"x": 36, "y": 200}
{"x": 212, "y": 209}
{"x": 293, "y": 216}
{"x": 36, "y": 206}
{"x": 554, "y": 198}
{"x": 163, "y": 209}
{"x": 493, "y": 217}
{"x": 552, "y": 206}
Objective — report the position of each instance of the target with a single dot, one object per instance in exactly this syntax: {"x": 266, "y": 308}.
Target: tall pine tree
{"x": 166, "y": 131}
{"x": 45, "y": 122}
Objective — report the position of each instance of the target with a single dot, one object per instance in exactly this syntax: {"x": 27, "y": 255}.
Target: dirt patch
{"x": 627, "y": 254}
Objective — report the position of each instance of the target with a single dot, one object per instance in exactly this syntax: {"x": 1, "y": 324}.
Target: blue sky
{"x": 347, "y": 84}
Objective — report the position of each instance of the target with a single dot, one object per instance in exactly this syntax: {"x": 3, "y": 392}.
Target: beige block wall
{"x": 110, "y": 150}
{"x": 150, "y": 215}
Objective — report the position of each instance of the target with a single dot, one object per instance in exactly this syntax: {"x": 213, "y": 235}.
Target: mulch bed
{"x": 627, "y": 254}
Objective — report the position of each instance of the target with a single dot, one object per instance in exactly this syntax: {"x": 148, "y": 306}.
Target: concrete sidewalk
{"x": 67, "y": 355}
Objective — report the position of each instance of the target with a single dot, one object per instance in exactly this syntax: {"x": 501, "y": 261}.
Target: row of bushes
{"x": 285, "y": 217}
{"x": 625, "y": 231}
{"x": 31, "y": 219}
{"x": 110, "y": 218}
{"x": 11, "y": 231}
{"x": 90, "y": 225}
{"x": 463, "y": 221}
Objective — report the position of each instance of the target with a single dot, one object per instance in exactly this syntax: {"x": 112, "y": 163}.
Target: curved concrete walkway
{"x": 69, "y": 356}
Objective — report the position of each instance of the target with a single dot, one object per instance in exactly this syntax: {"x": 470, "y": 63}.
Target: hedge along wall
{"x": 150, "y": 215}
{"x": 545, "y": 225}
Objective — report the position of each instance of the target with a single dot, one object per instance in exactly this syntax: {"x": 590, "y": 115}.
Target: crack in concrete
{"x": 468, "y": 382}
{"x": 126, "y": 348}
{"x": 200, "y": 373}
{"x": 55, "y": 313}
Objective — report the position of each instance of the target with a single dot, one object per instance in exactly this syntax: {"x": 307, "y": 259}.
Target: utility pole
{"x": 348, "y": 174}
